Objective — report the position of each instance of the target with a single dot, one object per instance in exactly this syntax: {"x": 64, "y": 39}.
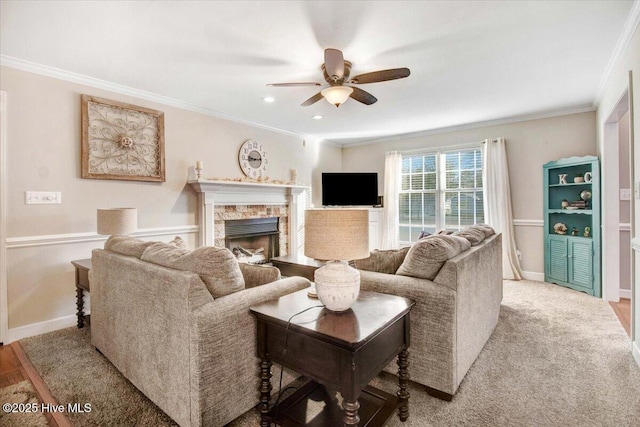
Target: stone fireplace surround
{"x": 222, "y": 200}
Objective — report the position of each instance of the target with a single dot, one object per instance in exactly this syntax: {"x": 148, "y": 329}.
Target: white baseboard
{"x": 34, "y": 329}
{"x": 636, "y": 352}
{"x": 533, "y": 275}
{"x": 625, "y": 293}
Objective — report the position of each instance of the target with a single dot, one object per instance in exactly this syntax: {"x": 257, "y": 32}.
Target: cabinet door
{"x": 375, "y": 229}
{"x": 581, "y": 263}
{"x": 558, "y": 258}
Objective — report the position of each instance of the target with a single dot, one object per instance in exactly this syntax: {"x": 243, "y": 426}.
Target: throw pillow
{"x": 427, "y": 256}
{"x": 217, "y": 267}
{"x": 126, "y": 245}
{"x": 473, "y": 235}
{"x": 485, "y": 228}
{"x": 387, "y": 261}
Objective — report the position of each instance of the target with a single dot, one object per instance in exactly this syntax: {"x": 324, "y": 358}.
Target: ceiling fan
{"x": 336, "y": 72}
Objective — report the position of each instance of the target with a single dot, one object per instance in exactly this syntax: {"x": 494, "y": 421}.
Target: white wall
{"x": 615, "y": 87}
{"x": 530, "y": 144}
{"x": 43, "y": 154}
{"x": 624, "y": 205}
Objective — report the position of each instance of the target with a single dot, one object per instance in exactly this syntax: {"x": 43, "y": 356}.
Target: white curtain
{"x": 497, "y": 203}
{"x": 392, "y": 170}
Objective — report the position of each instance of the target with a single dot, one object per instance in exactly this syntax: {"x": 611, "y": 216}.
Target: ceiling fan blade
{"x": 315, "y": 98}
{"x": 293, "y": 84}
{"x": 363, "y": 96}
{"x": 381, "y": 76}
{"x": 334, "y": 63}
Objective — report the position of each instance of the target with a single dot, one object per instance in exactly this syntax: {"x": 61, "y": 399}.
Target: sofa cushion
{"x": 126, "y": 245}
{"x": 217, "y": 267}
{"x": 387, "y": 261}
{"x": 427, "y": 256}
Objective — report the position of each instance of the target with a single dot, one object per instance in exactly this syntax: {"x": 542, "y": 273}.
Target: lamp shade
{"x": 337, "y": 95}
{"x": 336, "y": 234}
{"x": 117, "y": 221}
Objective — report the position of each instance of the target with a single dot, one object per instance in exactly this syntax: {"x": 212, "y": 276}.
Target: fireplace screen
{"x": 254, "y": 240}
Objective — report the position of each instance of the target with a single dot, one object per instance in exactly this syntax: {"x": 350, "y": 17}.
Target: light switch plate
{"x": 42, "y": 197}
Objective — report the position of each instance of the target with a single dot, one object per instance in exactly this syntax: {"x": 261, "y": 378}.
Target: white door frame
{"x": 4, "y": 310}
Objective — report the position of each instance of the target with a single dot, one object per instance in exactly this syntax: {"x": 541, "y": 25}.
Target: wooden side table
{"x": 83, "y": 266}
{"x": 296, "y": 265}
{"x": 340, "y": 351}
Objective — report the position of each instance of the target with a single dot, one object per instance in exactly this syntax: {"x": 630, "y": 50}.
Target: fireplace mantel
{"x": 211, "y": 193}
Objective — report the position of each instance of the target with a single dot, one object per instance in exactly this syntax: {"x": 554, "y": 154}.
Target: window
{"x": 440, "y": 190}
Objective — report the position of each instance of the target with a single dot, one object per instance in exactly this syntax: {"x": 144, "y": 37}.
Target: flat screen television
{"x": 349, "y": 189}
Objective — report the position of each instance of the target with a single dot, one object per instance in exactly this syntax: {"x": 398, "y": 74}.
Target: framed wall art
{"x": 121, "y": 141}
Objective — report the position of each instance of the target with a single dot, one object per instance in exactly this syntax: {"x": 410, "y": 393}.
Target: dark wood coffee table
{"x": 340, "y": 351}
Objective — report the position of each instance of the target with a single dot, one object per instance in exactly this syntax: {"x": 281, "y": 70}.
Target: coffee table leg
{"x": 265, "y": 392}
{"x": 403, "y": 382}
{"x": 351, "y": 417}
{"x": 80, "y": 306}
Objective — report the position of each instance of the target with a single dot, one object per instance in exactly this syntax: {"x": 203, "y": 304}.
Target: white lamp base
{"x": 337, "y": 285}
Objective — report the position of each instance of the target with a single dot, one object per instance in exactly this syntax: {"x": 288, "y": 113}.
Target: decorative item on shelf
{"x": 117, "y": 221}
{"x": 294, "y": 175}
{"x": 578, "y": 178}
{"x": 587, "y": 232}
{"x": 578, "y": 204}
{"x": 565, "y": 203}
{"x": 587, "y": 177}
{"x": 574, "y": 231}
{"x": 585, "y": 195}
{"x": 560, "y": 228}
{"x": 338, "y": 236}
{"x": 121, "y": 141}
{"x": 199, "y": 169}
{"x": 562, "y": 178}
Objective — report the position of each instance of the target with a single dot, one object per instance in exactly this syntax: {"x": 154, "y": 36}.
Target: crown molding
{"x": 630, "y": 27}
{"x": 57, "y": 73}
{"x": 474, "y": 125}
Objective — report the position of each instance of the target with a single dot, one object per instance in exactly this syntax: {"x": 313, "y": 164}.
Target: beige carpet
{"x": 556, "y": 358}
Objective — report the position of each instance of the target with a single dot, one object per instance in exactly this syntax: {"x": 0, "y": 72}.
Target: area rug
{"x": 557, "y": 358}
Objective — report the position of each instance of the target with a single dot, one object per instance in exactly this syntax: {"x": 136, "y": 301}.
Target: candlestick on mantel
{"x": 199, "y": 169}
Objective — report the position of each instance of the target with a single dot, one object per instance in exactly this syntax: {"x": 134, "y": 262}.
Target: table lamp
{"x": 117, "y": 221}
{"x": 337, "y": 236}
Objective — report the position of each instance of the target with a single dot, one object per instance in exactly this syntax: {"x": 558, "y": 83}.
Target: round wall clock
{"x": 253, "y": 159}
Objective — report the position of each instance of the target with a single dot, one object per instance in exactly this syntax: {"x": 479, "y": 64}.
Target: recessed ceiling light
{"x": 317, "y": 117}
{"x": 268, "y": 99}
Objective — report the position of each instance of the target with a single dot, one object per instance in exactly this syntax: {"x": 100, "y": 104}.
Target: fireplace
{"x": 253, "y": 240}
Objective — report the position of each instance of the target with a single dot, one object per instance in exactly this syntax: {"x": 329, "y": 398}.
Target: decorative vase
{"x": 578, "y": 179}
{"x": 337, "y": 285}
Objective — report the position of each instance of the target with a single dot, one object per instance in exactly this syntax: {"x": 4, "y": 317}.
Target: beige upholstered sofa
{"x": 457, "y": 301}
{"x": 185, "y": 339}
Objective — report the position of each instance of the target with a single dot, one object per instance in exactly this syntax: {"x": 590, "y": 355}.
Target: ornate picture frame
{"x": 121, "y": 141}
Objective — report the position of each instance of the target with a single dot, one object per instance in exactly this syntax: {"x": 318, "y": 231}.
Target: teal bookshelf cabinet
{"x": 572, "y": 223}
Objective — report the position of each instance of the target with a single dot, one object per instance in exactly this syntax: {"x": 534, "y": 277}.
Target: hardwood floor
{"x": 11, "y": 371}
{"x": 623, "y": 311}
{"x": 16, "y": 367}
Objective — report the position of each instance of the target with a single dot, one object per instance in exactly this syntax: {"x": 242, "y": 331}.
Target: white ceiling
{"x": 470, "y": 61}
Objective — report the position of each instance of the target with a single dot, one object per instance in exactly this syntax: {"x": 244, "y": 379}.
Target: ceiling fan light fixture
{"x": 337, "y": 95}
